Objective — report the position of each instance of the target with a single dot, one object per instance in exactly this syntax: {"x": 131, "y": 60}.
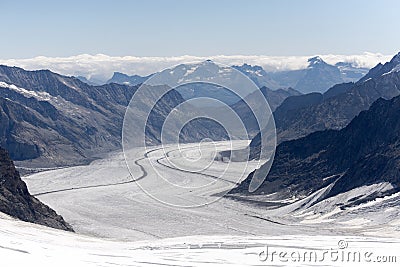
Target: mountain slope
{"x": 364, "y": 153}
{"x": 291, "y": 106}
{"x": 65, "y": 119}
{"x": 337, "y": 111}
{"x": 52, "y": 120}
{"x": 16, "y": 201}
{"x": 274, "y": 99}
{"x": 296, "y": 102}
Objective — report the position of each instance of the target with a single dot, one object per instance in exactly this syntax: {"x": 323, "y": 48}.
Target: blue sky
{"x": 201, "y": 28}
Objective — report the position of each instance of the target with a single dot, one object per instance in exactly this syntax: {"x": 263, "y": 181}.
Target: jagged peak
{"x": 315, "y": 60}
{"x": 247, "y": 67}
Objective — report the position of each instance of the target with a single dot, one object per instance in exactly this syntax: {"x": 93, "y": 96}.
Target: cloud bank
{"x": 101, "y": 67}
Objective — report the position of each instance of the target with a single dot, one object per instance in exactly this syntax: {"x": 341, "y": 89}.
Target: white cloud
{"x": 102, "y": 66}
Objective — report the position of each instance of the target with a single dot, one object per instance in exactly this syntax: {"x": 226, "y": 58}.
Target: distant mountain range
{"x": 16, "y": 201}
{"x": 319, "y": 76}
{"x": 208, "y": 71}
{"x": 202, "y": 80}
{"x": 200, "y": 76}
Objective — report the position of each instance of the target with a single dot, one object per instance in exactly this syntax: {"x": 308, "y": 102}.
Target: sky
{"x": 168, "y": 28}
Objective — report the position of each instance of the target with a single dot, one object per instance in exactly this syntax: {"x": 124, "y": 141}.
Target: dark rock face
{"x": 297, "y": 102}
{"x": 276, "y": 97}
{"x": 16, "y": 201}
{"x": 10, "y": 112}
{"x": 337, "y": 89}
{"x": 363, "y": 153}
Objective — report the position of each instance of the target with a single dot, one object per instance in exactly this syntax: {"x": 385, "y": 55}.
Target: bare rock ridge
{"x": 16, "y": 201}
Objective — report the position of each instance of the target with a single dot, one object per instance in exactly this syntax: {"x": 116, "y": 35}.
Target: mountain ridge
{"x": 363, "y": 153}
{"x": 317, "y": 77}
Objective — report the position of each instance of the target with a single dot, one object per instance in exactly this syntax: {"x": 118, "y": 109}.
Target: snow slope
{"x": 25, "y": 244}
{"x": 118, "y": 224}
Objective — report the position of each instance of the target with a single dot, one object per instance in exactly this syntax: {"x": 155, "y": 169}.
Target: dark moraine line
{"x": 193, "y": 172}
{"x": 146, "y": 155}
{"x": 105, "y": 185}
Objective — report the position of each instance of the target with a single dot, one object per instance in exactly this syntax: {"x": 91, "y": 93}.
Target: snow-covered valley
{"x": 101, "y": 199}
{"x": 117, "y": 223}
